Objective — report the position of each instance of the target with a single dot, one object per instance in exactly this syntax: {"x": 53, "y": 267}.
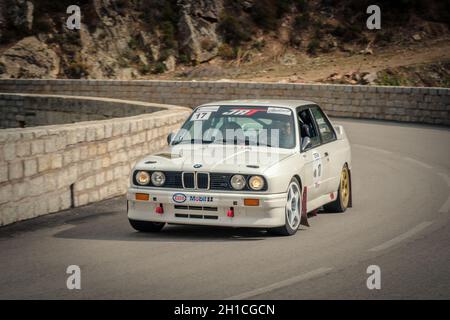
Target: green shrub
{"x": 264, "y": 14}
{"x": 347, "y": 33}
{"x": 389, "y": 80}
{"x": 227, "y": 52}
{"x": 313, "y": 46}
{"x": 233, "y": 30}
{"x": 168, "y": 34}
{"x": 383, "y": 37}
{"x": 77, "y": 70}
{"x": 133, "y": 43}
{"x": 184, "y": 58}
{"x": 302, "y": 21}
{"x": 144, "y": 68}
{"x": 159, "y": 68}
{"x": 259, "y": 44}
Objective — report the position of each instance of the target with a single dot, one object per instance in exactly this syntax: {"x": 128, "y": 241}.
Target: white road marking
{"x": 445, "y": 177}
{"x": 446, "y": 206}
{"x": 402, "y": 237}
{"x": 371, "y": 148}
{"x": 420, "y": 163}
{"x": 280, "y": 284}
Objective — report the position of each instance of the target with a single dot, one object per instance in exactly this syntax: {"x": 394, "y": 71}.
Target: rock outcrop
{"x": 29, "y": 58}
{"x": 197, "y": 28}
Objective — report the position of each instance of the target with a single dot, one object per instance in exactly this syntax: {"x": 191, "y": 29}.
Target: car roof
{"x": 292, "y": 104}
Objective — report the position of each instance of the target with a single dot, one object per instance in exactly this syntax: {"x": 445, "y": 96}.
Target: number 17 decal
{"x": 200, "y": 116}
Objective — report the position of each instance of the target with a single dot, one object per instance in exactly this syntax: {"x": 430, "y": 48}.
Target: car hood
{"x": 215, "y": 158}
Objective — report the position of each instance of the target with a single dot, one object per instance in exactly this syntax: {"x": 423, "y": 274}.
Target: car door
{"x": 313, "y": 156}
{"x": 328, "y": 140}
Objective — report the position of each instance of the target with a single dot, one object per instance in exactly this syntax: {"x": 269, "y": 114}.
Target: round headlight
{"x": 142, "y": 177}
{"x": 158, "y": 178}
{"x": 256, "y": 182}
{"x": 237, "y": 182}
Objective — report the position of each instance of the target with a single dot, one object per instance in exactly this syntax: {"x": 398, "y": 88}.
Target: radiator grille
{"x": 188, "y": 180}
{"x": 202, "y": 180}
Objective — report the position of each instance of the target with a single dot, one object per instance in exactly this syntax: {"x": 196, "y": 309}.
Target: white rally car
{"x": 244, "y": 163}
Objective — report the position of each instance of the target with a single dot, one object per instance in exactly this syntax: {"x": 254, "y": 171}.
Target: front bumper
{"x": 207, "y": 208}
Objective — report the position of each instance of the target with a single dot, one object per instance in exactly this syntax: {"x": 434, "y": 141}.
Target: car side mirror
{"x": 169, "y": 138}
{"x": 306, "y": 143}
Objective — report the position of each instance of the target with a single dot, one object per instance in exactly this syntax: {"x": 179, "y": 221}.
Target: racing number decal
{"x": 200, "y": 116}
{"x": 317, "y": 169}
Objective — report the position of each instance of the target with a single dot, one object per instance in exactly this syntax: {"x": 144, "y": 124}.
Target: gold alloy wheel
{"x": 345, "y": 186}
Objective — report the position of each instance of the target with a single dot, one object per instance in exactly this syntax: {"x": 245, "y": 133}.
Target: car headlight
{"x": 256, "y": 182}
{"x": 142, "y": 177}
{"x": 158, "y": 178}
{"x": 237, "y": 182}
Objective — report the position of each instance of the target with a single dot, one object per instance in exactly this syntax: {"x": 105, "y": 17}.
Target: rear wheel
{"x": 146, "y": 226}
{"x": 292, "y": 211}
{"x": 343, "y": 195}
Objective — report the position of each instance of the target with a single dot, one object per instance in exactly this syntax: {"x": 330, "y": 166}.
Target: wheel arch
{"x": 296, "y": 176}
{"x": 304, "y": 195}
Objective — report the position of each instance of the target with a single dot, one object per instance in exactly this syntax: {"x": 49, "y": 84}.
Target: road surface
{"x": 399, "y": 222}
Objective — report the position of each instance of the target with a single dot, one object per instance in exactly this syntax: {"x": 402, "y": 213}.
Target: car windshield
{"x": 249, "y": 125}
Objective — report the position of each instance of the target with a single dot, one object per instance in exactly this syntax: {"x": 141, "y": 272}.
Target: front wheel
{"x": 343, "y": 195}
{"x": 292, "y": 211}
{"x": 146, "y": 226}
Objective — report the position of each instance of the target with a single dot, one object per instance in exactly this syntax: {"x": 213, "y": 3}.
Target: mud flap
{"x": 350, "y": 202}
{"x": 304, "y": 215}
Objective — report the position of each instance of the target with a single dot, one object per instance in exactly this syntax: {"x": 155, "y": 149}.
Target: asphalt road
{"x": 399, "y": 222}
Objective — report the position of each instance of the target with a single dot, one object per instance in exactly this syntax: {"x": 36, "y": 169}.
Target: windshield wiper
{"x": 192, "y": 141}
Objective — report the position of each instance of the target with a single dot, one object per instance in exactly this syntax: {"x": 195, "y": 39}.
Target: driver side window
{"x": 325, "y": 129}
{"x": 307, "y": 127}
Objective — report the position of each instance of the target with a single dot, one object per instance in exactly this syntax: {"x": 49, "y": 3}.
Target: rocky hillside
{"x": 214, "y": 39}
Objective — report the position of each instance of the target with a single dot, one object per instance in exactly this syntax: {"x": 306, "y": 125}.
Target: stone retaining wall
{"x": 423, "y": 105}
{"x": 22, "y": 110}
{"x": 50, "y": 168}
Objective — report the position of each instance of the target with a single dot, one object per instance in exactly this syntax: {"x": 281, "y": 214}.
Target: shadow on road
{"x": 114, "y": 226}
{"x": 107, "y": 220}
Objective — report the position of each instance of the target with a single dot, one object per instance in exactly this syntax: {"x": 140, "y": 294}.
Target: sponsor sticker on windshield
{"x": 279, "y": 110}
{"x": 208, "y": 109}
{"x": 242, "y": 112}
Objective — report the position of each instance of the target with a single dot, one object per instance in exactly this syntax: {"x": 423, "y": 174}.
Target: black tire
{"x": 339, "y": 205}
{"x": 287, "y": 230}
{"x": 146, "y": 226}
